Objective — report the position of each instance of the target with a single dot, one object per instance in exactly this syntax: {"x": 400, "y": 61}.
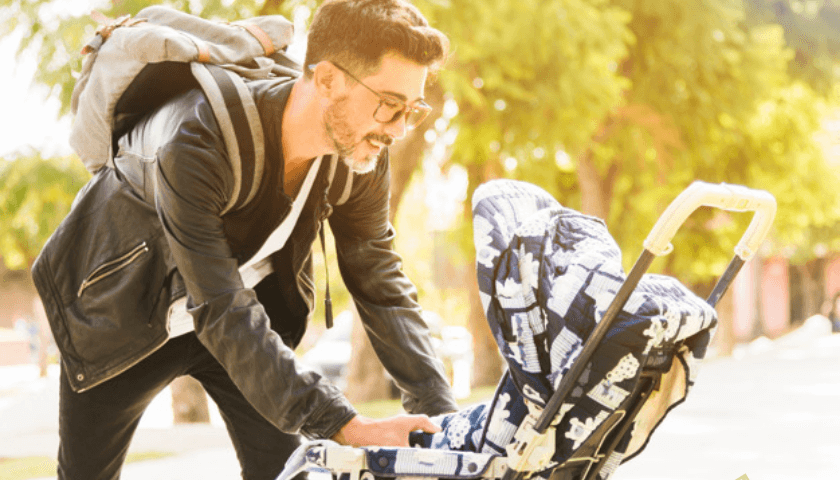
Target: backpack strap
{"x": 341, "y": 182}
{"x": 241, "y": 128}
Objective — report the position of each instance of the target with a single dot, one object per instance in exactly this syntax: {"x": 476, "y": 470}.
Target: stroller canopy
{"x": 546, "y": 275}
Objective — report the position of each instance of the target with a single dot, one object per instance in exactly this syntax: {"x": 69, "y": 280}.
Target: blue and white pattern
{"x": 546, "y": 276}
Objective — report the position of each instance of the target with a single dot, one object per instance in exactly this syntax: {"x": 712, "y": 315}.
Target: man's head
{"x": 357, "y": 33}
{"x": 370, "y": 59}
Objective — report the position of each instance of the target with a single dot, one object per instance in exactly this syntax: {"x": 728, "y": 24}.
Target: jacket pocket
{"x": 104, "y": 276}
{"x": 114, "y": 266}
{"x": 117, "y": 302}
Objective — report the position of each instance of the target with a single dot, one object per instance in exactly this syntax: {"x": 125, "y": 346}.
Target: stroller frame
{"x": 533, "y": 444}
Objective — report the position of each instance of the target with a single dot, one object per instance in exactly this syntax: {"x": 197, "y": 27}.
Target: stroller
{"x": 596, "y": 358}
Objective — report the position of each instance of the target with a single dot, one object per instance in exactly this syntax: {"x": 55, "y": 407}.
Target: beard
{"x": 342, "y": 134}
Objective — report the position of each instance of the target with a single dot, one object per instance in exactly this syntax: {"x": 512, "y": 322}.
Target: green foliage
{"x": 740, "y": 119}
{"x": 699, "y": 78}
{"x": 27, "y": 467}
{"x": 22, "y": 468}
{"x": 804, "y": 184}
{"x": 55, "y": 34}
{"x": 811, "y": 31}
{"x": 35, "y": 195}
{"x": 530, "y": 77}
{"x": 651, "y": 95}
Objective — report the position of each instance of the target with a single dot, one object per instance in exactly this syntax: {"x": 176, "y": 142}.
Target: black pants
{"x": 96, "y": 426}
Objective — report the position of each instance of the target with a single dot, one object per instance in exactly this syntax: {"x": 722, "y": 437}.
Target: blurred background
{"x": 613, "y": 106}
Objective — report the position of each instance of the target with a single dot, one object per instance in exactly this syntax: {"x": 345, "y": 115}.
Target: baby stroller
{"x": 596, "y": 358}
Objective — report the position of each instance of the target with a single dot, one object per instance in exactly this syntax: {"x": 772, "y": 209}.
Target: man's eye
{"x": 391, "y": 104}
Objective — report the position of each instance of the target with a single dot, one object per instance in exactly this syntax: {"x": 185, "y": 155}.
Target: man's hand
{"x": 388, "y": 432}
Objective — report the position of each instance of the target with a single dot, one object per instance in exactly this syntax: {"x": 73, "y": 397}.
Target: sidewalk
{"x": 29, "y": 428}
{"x": 770, "y": 412}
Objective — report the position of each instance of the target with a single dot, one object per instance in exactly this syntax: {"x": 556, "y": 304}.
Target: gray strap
{"x": 241, "y": 128}
{"x": 344, "y": 194}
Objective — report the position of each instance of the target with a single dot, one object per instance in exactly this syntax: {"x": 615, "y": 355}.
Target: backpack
{"x": 135, "y": 65}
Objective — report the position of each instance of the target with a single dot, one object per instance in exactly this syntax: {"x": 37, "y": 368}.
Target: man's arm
{"x": 386, "y": 299}
{"x": 193, "y": 180}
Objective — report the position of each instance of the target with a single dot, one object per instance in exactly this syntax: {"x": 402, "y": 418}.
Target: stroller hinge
{"x": 531, "y": 451}
{"x": 346, "y": 459}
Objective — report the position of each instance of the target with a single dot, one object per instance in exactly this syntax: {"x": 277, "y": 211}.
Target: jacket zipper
{"x": 114, "y": 266}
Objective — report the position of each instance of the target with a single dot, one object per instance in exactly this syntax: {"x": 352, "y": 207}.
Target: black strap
{"x": 328, "y": 314}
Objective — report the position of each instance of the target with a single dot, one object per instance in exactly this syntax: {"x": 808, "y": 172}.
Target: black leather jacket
{"x": 131, "y": 246}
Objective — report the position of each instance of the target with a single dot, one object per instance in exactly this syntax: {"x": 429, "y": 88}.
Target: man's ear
{"x": 328, "y": 80}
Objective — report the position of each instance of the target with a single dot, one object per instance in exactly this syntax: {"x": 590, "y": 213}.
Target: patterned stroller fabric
{"x": 546, "y": 275}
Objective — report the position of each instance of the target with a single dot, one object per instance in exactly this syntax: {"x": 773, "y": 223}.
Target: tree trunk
{"x": 488, "y": 365}
{"x": 189, "y": 402}
{"x": 724, "y": 340}
{"x": 814, "y": 286}
{"x": 407, "y": 153}
{"x": 44, "y": 336}
{"x": 595, "y": 188}
{"x": 366, "y": 379}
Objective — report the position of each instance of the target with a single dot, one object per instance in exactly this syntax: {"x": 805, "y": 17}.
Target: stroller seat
{"x": 547, "y": 276}
{"x": 368, "y": 463}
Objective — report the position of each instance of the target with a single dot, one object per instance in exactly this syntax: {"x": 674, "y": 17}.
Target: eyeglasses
{"x": 390, "y": 108}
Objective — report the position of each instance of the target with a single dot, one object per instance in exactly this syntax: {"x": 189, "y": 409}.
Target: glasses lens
{"x": 389, "y": 111}
{"x": 415, "y": 117}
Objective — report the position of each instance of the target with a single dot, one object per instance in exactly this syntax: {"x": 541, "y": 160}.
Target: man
{"x": 148, "y": 238}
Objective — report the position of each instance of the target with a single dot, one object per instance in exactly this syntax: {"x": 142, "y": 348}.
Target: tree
{"x": 811, "y": 32}
{"x": 636, "y": 100}
{"x": 697, "y": 77}
{"x": 531, "y": 79}
{"x": 35, "y": 195}
{"x": 718, "y": 104}
{"x": 613, "y": 106}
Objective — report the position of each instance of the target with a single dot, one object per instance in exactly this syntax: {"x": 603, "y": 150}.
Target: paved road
{"x": 772, "y": 412}
{"x": 29, "y": 427}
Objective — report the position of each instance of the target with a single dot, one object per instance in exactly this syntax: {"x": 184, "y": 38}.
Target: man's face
{"x": 349, "y": 118}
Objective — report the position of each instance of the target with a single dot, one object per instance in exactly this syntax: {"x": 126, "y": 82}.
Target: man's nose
{"x": 397, "y": 128}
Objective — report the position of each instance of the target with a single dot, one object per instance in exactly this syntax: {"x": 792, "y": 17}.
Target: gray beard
{"x": 340, "y": 148}
{"x": 346, "y": 151}
{"x": 361, "y": 167}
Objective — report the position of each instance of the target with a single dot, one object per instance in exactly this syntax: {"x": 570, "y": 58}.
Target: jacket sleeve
{"x": 193, "y": 180}
{"x": 385, "y": 297}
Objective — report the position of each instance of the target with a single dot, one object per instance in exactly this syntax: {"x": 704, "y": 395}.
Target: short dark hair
{"x": 357, "y": 33}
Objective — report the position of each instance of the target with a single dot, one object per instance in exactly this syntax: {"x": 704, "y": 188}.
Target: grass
{"x": 24, "y": 468}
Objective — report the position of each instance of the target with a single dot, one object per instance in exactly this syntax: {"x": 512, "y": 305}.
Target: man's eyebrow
{"x": 402, "y": 97}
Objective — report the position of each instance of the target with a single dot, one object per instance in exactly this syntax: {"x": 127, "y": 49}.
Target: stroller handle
{"x": 724, "y": 196}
